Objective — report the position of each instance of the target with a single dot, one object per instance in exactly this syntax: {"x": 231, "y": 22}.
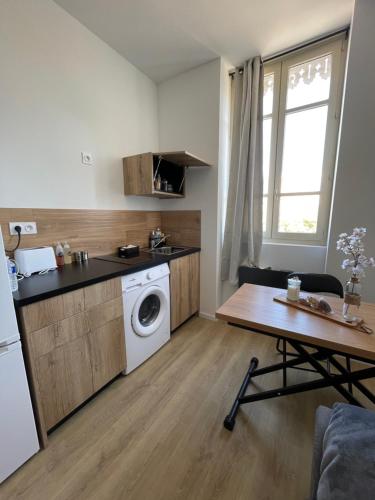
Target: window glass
{"x": 268, "y": 85}
{"x": 265, "y": 202}
{"x": 298, "y": 214}
{"x": 309, "y": 82}
{"x": 267, "y": 127}
{"x": 304, "y": 139}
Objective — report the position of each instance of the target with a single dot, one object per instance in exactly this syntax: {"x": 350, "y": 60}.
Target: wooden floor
{"x": 158, "y": 434}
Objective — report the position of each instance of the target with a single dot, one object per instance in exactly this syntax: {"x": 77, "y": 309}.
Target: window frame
{"x": 280, "y": 68}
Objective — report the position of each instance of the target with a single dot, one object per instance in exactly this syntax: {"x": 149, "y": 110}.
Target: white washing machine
{"x": 146, "y": 313}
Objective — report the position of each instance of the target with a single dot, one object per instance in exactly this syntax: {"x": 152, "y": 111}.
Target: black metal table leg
{"x": 230, "y": 419}
{"x": 320, "y": 356}
{"x": 301, "y": 356}
{"x": 366, "y": 392}
{"x": 309, "y": 386}
{"x": 349, "y": 368}
{"x": 284, "y": 361}
{"x": 337, "y": 385}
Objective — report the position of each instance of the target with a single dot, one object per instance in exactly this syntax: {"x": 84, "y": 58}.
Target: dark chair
{"x": 319, "y": 283}
{"x": 265, "y": 277}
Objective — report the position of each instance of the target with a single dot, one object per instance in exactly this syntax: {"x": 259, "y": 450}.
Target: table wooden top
{"x": 253, "y": 306}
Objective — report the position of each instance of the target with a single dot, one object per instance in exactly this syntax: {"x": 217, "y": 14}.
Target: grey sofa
{"x": 343, "y": 465}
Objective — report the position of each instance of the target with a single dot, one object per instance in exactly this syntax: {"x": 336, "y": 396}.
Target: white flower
{"x": 352, "y": 246}
{"x": 347, "y": 263}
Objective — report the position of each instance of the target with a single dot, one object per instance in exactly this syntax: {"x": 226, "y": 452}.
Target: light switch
{"x": 87, "y": 159}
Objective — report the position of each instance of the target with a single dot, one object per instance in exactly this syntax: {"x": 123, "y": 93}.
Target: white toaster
{"x": 35, "y": 260}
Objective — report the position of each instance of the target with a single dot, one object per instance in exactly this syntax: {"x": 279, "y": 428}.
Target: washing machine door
{"x": 149, "y": 311}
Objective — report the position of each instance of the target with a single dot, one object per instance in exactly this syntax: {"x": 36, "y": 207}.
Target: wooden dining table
{"x": 313, "y": 339}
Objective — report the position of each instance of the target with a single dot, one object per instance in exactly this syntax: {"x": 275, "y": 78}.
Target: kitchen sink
{"x": 167, "y": 250}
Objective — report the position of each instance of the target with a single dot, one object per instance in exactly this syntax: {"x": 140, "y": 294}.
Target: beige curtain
{"x": 243, "y": 224}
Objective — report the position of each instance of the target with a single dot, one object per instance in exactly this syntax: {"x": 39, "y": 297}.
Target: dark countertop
{"x": 77, "y": 275}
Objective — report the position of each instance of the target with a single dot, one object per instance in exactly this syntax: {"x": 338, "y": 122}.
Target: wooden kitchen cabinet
{"x": 64, "y": 380}
{"x": 140, "y": 172}
{"x": 107, "y": 352}
{"x": 74, "y": 345}
{"x": 184, "y": 285}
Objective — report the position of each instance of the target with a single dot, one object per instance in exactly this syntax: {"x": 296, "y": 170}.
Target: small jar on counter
{"x": 59, "y": 251}
{"x": 294, "y": 288}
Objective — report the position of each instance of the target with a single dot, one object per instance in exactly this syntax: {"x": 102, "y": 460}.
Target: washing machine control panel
{"x": 140, "y": 278}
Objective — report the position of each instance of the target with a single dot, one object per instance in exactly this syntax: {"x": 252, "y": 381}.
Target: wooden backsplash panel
{"x": 100, "y": 232}
{"x": 184, "y": 226}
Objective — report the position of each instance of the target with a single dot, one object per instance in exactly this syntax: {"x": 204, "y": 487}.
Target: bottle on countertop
{"x": 12, "y": 273}
{"x": 67, "y": 253}
{"x": 59, "y": 255}
{"x": 158, "y": 183}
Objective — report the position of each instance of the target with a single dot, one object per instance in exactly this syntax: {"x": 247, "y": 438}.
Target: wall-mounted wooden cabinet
{"x": 142, "y": 171}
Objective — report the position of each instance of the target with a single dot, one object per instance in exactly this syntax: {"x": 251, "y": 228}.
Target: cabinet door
{"x": 47, "y": 339}
{"x": 194, "y": 271}
{"x": 138, "y": 174}
{"x": 184, "y": 284}
{"x": 179, "y": 285}
{"x": 107, "y": 352}
{"x": 102, "y": 292}
{"x": 47, "y": 312}
{"x": 64, "y": 378}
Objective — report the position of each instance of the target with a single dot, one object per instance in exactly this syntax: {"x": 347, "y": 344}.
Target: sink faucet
{"x": 161, "y": 240}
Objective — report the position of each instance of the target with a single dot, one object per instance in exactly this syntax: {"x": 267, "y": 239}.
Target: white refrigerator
{"x": 18, "y": 436}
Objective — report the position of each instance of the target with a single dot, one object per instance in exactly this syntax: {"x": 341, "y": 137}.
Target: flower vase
{"x": 352, "y": 299}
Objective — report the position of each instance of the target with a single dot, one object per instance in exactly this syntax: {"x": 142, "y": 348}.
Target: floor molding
{"x": 209, "y": 316}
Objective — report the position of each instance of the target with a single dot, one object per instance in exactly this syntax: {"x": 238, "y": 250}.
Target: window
{"x": 301, "y": 107}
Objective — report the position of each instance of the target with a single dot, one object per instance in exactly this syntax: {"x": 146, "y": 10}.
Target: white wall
{"x": 189, "y": 116}
{"x": 354, "y": 199}
{"x": 63, "y": 91}
{"x": 306, "y": 258}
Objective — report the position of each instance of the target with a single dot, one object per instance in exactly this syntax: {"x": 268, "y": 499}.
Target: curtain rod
{"x": 304, "y": 45}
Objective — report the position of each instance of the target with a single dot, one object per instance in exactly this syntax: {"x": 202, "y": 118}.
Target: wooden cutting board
{"x": 332, "y": 316}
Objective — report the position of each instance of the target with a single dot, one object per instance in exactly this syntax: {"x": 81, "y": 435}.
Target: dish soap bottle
{"x": 67, "y": 253}
{"x": 59, "y": 255}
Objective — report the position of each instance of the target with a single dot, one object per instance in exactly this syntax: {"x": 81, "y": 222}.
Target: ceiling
{"x": 166, "y": 37}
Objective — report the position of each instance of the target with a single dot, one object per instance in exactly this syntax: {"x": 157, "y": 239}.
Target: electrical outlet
{"x": 87, "y": 159}
{"x": 26, "y": 227}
